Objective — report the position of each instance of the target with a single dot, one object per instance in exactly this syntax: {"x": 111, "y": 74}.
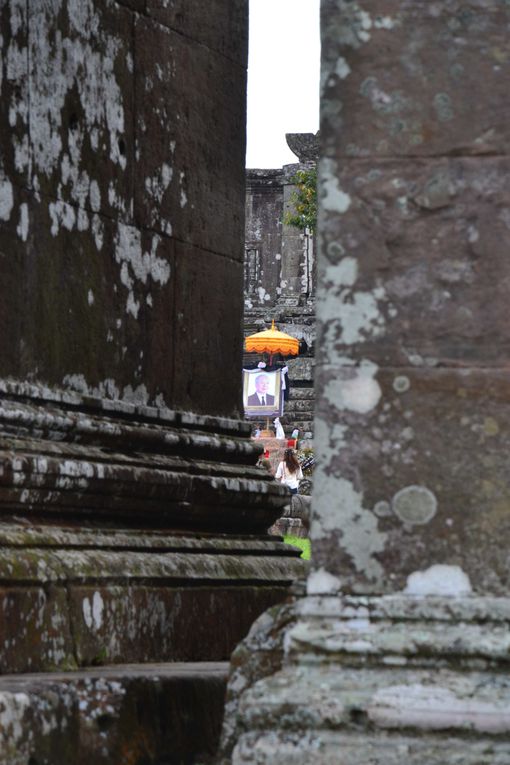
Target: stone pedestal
{"x": 399, "y": 650}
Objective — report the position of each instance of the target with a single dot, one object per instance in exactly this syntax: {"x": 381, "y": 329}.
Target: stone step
{"x": 300, "y": 405}
{"x": 297, "y": 420}
{"x": 304, "y": 426}
{"x": 307, "y": 394}
{"x": 164, "y": 713}
{"x": 303, "y": 412}
{"x": 297, "y": 416}
{"x": 302, "y": 369}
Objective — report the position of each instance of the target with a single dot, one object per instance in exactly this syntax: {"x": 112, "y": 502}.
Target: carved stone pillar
{"x": 399, "y": 651}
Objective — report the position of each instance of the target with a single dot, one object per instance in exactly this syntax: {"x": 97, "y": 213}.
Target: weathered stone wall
{"x": 280, "y": 262}
{"x": 280, "y": 273}
{"x": 120, "y": 222}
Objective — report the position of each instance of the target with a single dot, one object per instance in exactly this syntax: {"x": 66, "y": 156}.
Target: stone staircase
{"x": 299, "y": 408}
{"x": 299, "y": 411}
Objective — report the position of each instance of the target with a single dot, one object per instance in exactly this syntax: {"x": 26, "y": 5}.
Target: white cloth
{"x": 280, "y": 433}
{"x": 289, "y": 479}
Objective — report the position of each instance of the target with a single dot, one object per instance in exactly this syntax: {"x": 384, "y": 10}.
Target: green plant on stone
{"x": 304, "y": 201}
{"x": 100, "y": 658}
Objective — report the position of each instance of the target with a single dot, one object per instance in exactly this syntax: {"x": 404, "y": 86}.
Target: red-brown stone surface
{"x": 394, "y": 94}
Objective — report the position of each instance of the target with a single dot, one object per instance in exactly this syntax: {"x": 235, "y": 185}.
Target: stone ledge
{"x": 400, "y": 607}
{"x": 74, "y": 597}
{"x": 42, "y": 395}
{"x": 24, "y": 536}
{"x": 129, "y": 713}
{"x": 58, "y": 462}
{"x": 307, "y": 748}
{"x": 135, "y": 567}
{"x": 156, "y": 669}
{"x": 130, "y": 539}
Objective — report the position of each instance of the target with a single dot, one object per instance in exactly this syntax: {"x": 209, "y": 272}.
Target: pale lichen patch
{"x": 333, "y": 198}
{"x": 6, "y": 199}
{"x": 349, "y": 316}
{"x": 61, "y": 214}
{"x": 358, "y": 392}
{"x": 136, "y": 265}
{"x": 337, "y": 506}
{"x": 22, "y": 228}
{"x": 401, "y": 383}
{"x": 414, "y": 504}
{"x": 321, "y": 582}
{"x": 58, "y": 65}
{"x": 439, "y": 579}
{"x": 342, "y": 68}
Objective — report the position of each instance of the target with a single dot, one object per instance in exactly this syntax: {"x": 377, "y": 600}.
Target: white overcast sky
{"x": 283, "y": 78}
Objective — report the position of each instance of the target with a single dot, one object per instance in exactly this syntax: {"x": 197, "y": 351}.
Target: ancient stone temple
{"x": 280, "y": 272}
{"x": 398, "y": 652}
{"x": 133, "y": 521}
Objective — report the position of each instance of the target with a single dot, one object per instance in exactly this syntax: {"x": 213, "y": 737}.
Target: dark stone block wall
{"x": 120, "y": 219}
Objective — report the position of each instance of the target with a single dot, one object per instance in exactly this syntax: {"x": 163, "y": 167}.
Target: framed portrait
{"x": 262, "y": 393}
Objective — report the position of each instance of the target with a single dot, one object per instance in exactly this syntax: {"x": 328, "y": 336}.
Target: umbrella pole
{"x": 270, "y": 363}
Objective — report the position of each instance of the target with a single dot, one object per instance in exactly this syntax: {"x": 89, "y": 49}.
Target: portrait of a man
{"x": 261, "y": 397}
{"x": 262, "y": 393}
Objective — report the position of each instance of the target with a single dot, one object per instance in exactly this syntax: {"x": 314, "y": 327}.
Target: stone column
{"x": 291, "y": 279}
{"x": 399, "y": 652}
{"x": 133, "y": 520}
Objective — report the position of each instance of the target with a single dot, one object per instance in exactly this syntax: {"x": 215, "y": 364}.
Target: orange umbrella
{"x": 272, "y": 341}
